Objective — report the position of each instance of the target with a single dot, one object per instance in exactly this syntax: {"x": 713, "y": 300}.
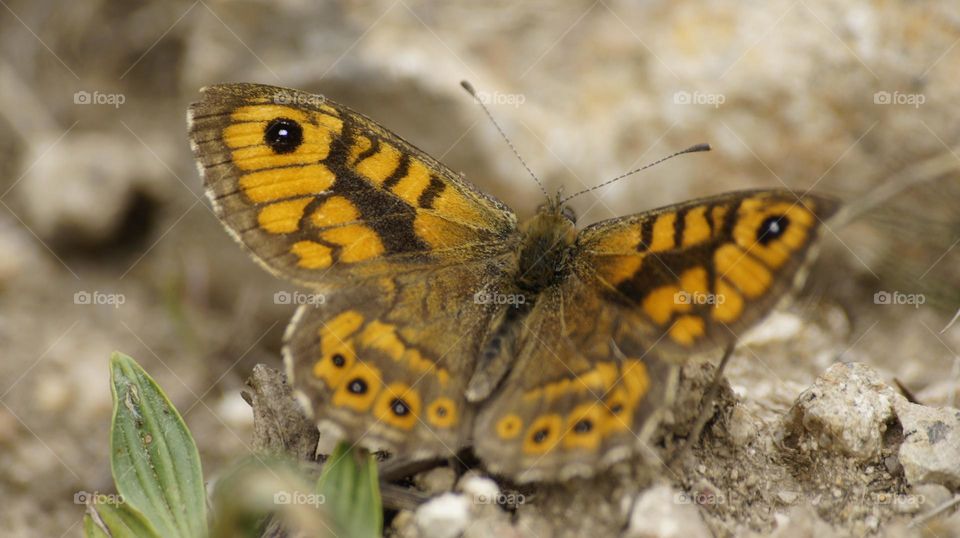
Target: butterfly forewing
{"x": 702, "y": 272}
{"x": 321, "y": 194}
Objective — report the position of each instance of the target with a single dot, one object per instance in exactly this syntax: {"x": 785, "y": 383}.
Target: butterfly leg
{"x": 706, "y": 408}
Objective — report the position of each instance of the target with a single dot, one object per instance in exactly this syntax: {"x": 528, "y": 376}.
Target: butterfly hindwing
{"x": 386, "y": 365}
{"x": 580, "y": 392}
{"x": 320, "y": 194}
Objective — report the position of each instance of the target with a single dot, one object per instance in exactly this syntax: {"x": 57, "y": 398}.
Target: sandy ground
{"x": 106, "y": 241}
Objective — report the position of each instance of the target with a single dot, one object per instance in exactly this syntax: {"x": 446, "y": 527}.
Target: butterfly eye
{"x": 283, "y": 135}
{"x": 772, "y": 228}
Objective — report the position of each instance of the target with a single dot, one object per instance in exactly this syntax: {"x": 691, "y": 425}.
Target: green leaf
{"x": 91, "y": 529}
{"x": 154, "y": 459}
{"x": 351, "y": 491}
{"x": 122, "y": 520}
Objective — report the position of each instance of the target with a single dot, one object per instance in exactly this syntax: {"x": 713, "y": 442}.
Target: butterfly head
{"x": 547, "y": 239}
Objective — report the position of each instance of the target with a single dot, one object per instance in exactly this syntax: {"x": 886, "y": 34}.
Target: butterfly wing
{"x": 397, "y": 244}
{"x": 579, "y": 394}
{"x": 657, "y": 285}
{"x": 323, "y": 196}
{"x": 702, "y": 272}
{"x": 386, "y": 365}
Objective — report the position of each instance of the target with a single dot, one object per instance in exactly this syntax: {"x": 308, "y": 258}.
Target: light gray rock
{"x": 845, "y": 411}
{"x": 930, "y": 452}
{"x": 446, "y": 516}
{"x": 663, "y": 512}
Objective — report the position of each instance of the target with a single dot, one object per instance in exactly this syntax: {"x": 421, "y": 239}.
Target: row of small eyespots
{"x": 584, "y": 428}
{"x": 397, "y": 404}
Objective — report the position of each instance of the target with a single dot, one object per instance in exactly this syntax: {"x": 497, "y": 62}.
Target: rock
{"x": 480, "y": 489}
{"x": 845, "y": 411}
{"x": 437, "y": 480}
{"x": 446, "y": 516}
{"x": 930, "y": 452}
{"x": 81, "y": 188}
{"x": 663, "y": 512}
{"x": 931, "y": 496}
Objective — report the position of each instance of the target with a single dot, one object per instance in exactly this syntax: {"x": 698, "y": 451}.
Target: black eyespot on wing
{"x": 583, "y": 426}
{"x": 338, "y": 360}
{"x": 399, "y": 407}
{"x": 541, "y": 435}
{"x": 357, "y": 386}
{"x": 772, "y": 228}
{"x": 283, "y": 135}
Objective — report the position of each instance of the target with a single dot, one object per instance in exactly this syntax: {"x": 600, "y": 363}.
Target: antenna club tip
{"x": 465, "y": 84}
{"x": 701, "y": 147}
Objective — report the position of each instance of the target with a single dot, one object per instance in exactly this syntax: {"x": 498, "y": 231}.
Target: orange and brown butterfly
{"x": 447, "y": 324}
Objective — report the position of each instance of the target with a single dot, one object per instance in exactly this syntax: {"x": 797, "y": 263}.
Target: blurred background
{"x": 107, "y": 242}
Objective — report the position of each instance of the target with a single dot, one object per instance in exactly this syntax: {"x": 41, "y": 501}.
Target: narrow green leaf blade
{"x": 91, "y": 529}
{"x": 154, "y": 459}
{"x": 123, "y": 521}
{"x": 351, "y": 491}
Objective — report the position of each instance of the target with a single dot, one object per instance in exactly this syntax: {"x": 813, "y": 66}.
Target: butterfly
{"x": 447, "y": 323}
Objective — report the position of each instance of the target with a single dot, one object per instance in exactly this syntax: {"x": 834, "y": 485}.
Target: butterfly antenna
{"x": 691, "y": 149}
{"x": 473, "y": 93}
